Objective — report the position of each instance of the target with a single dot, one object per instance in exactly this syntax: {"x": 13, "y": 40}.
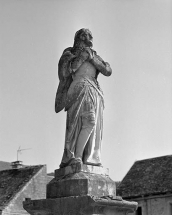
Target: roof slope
{"x": 13, "y": 180}
{"x": 148, "y": 177}
{"x": 5, "y": 165}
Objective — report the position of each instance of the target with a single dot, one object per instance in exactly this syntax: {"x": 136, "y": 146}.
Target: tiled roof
{"x": 13, "y": 180}
{"x": 147, "y": 177}
{"x": 5, "y": 165}
{"x": 117, "y": 183}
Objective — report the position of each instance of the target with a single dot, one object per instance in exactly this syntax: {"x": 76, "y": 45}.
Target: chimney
{"x": 16, "y": 164}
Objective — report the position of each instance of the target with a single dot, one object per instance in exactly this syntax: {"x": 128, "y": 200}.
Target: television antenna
{"x": 19, "y": 150}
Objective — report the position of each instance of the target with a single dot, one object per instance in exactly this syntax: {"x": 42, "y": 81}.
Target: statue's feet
{"x": 62, "y": 165}
{"x": 75, "y": 161}
{"x": 71, "y": 162}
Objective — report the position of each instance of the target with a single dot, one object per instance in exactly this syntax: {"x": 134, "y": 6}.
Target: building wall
{"x": 34, "y": 189}
{"x": 161, "y": 205}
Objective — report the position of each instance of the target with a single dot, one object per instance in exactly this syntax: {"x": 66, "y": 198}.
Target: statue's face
{"x": 84, "y": 35}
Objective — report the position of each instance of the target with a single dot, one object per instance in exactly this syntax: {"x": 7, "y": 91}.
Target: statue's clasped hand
{"x": 86, "y": 54}
{"x": 90, "y": 53}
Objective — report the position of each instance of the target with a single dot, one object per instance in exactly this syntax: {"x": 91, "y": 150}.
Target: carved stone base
{"x": 79, "y": 205}
{"x": 80, "y": 180}
{"x": 80, "y": 190}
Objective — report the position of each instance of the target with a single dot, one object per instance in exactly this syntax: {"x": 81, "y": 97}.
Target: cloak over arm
{"x": 65, "y": 78}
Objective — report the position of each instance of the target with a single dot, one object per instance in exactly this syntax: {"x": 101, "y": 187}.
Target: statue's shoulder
{"x": 67, "y": 51}
{"x": 66, "y": 55}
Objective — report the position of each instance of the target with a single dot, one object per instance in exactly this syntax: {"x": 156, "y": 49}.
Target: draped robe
{"x": 84, "y": 105}
{"x": 85, "y": 101}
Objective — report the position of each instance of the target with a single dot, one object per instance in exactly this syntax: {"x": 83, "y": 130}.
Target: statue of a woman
{"x": 80, "y": 94}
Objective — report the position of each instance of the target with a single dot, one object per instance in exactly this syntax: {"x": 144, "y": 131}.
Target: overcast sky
{"x": 134, "y": 36}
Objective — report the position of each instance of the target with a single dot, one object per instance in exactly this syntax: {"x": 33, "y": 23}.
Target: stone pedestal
{"x": 80, "y": 180}
{"x": 80, "y": 189}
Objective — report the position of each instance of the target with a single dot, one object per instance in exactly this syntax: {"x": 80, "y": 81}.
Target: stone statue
{"x": 80, "y": 95}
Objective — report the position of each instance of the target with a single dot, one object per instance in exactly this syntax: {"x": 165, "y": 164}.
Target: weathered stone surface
{"x": 85, "y": 205}
{"x": 80, "y": 193}
{"x": 79, "y": 167}
{"x": 80, "y": 184}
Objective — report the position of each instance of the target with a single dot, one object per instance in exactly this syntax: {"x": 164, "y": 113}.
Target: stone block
{"x": 80, "y": 184}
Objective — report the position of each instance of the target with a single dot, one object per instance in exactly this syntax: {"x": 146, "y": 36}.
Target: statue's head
{"x": 84, "y": 35}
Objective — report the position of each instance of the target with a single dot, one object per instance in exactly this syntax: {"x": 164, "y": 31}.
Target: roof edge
{"x": 153, "y": 158}
{"x": 24, "y": 184}
{"x": 147, "y": 195}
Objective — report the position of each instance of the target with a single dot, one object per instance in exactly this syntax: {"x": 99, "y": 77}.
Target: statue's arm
{"x": 101, "y": 65}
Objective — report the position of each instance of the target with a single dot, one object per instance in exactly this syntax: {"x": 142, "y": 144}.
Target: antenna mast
{"x": 19, "y": 150}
